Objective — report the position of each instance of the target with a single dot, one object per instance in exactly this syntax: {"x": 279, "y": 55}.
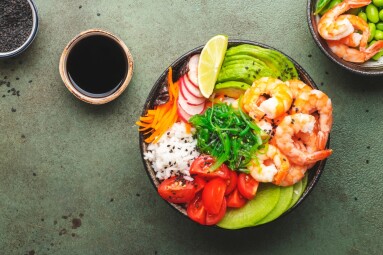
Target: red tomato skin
{"x": 201, "y": 167}
{"x": 232, "y": 182}
{"x": 213, "y": 195}
{"x": 212, "y": 219}
{"x": 199, "y": 183}
{"x": 247, "y": 185}
{"x": 235, "y": 199}
{"x": 177, "y": 190}
{"x": 196, "y": 211}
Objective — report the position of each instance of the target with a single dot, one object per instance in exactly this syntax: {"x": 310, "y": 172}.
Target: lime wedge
{"x": 282, "y": 205}
{"x": 254, "y": 210}
{"x": 210, "y": 63}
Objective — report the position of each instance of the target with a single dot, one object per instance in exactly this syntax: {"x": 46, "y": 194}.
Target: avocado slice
{"x": 232, "y": 58}
{"x": 282, "y": 205}
{"x": 276, "y": 61}
{"x": 244, "y": 72}
{"x": 232, "y": 89}
{"x": 299, "y": 188}
{"x": 266, "y": 199}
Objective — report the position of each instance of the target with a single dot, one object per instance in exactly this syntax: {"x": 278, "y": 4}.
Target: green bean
{"x": 372, "y": 31}
{"x": 378, "y": 35}
{"x": 372, "y": 13}
{"x": 330, "y": 6}
{"x": 363, "y": 16}
{"x": 378, "y": 3}
{"x": 320, "y": 5}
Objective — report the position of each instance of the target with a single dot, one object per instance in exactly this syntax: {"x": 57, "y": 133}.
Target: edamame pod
{"x": 372, "y": 13}
{"x": 381, "y": 14}
{"x": 330, "y": 5}
{"x": 321, "y": 5}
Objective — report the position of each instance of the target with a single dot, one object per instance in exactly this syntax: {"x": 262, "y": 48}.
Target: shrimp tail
{"x": 317, "y": 155}
{"x": 357, "y": 3}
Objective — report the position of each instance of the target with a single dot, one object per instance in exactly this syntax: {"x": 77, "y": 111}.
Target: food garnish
{"x": 210, "y": 63}
{"x": 157, "y": 121}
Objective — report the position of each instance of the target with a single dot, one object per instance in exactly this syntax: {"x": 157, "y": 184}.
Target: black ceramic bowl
{"x": 31, "y": 37}
{"x": 177, "y": 65}
{"x": 367, "y": 68}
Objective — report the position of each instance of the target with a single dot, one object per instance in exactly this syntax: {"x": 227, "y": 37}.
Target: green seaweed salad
{"x": 229, "y": 135}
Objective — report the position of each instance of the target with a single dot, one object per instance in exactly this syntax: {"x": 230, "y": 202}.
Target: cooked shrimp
{"x": 297, "y": 87}
{"x": 352, "y": 40}
{"x": 271, "y": 166}
{"x": 285, "y": 137}
{"x": 331, "y": 27}
{"x": 354, "y": 55}
{"x": 267, "y": 97}
{"x": 316, "y": 101}
{"x": 294, "y": 175}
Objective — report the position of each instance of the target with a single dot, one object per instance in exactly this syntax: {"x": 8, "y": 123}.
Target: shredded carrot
{"x": 158, "y": 120}
{"x": 187, "y": 128}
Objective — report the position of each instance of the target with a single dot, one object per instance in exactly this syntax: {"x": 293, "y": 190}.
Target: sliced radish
{"x": 191, "y": 88}
{"x": 187, "y": 77}
{"x": 190, "y": 109}
{"x": 190, "y": 98}
{"x": 193, "y": 68}
{"x": 184, "y": 116}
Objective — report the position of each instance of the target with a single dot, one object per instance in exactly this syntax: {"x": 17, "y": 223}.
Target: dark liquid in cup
{"x": 97, "y": 66}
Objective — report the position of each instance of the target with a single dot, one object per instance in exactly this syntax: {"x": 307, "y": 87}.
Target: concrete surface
{"x": 71, "y": 176}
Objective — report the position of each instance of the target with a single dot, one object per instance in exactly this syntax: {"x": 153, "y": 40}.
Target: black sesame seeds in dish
{"x": 18, "y": 26}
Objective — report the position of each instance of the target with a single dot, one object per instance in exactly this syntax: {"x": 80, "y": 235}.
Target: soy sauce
{"x": 97, "y": 66}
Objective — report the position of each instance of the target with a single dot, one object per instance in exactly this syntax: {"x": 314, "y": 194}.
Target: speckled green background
{"x": 63, "y": 162}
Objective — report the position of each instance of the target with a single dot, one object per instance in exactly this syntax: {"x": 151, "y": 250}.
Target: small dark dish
{"x": 31, "y": 37}
{"x": 368, "y": 68}
{"x": 178, "y": 66}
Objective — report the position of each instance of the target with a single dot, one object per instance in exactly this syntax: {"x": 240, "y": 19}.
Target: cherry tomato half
{"x": 235, "y": 199}
{"x": 231, "y": 183}
{"x": 177, "y": 190}
{"x": 201, "y": 167}
{"x": 247, "y": 185}
{"x": 212, "y": 219}
{"x": 196, "y": 211}
{"x": 213, "y": 195}
{"x": 199, "y": 183}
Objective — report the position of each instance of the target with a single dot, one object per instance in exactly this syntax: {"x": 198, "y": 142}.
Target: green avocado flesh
{"x": 283, "y": 204}
{"x": 299, "y": 188}
{"x": 282, "y": 67}
{"x": 266, "y": 199}
{"x": 232, "y": 89}
{"x": 246, "y": 63}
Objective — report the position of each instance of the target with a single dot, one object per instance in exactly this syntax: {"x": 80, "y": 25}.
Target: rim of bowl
{"x": 74, "y": 90}
{"x": 31, "y": 37}
{"x": 362, "y": 69}
{"x": 314, "y": 173}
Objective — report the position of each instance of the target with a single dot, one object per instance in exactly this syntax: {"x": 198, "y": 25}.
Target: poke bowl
{"x": 345, "y": 55}
{"x": 180, "y": 68}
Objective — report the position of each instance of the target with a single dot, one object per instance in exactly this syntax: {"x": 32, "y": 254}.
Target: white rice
{"x": 173, "y": 153}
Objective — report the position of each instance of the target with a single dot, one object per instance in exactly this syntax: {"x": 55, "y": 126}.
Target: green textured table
{"x": 71, "y": 176}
